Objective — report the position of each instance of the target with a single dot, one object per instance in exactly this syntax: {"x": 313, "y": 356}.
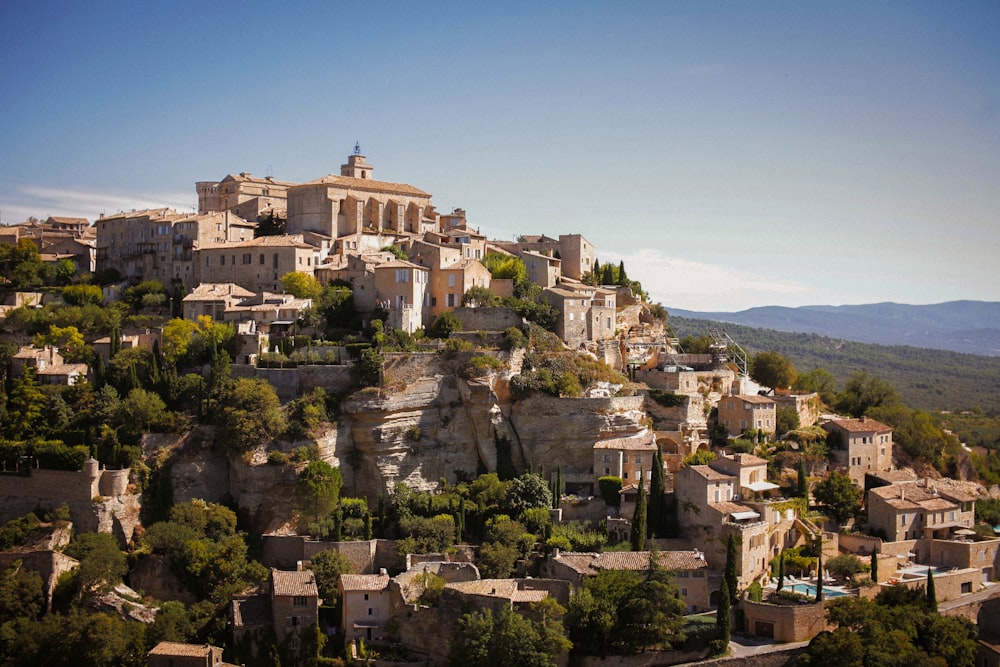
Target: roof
{"x": 284, "y": 582}
{"x": 913, "y": 496}
{"x": 283, "y": 241}
{"x": 709, "y": 473}
{"x": 211, "y": 291}
{"x": 727, "y": 507}
{"x": 252, "y": 611}
{"x": 753, "y": 398}
{"x": 178, "y": 649}
{"x": 639, "y": 560}
{"x": 401, "y": 264}
{"x": 863, "y": 425}
{"x": 364, "y": 582}
{"x": 761, "y": 486}
{"x": 508, "y": 589}
{"x": 747, "y": 459}
{"x": 641, "y": 441}
{"x": 367, "y": 184}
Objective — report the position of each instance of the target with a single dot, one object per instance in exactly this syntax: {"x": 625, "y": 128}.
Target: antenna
{"x": 357, "y": 148}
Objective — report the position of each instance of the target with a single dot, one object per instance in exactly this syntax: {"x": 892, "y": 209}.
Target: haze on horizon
{"x": 732, "y": 154}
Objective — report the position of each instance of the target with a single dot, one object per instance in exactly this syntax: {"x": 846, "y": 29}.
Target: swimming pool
{"x": 810, "y": 590}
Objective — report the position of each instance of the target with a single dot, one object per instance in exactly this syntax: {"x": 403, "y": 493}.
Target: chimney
{"x": 864, "y": 418}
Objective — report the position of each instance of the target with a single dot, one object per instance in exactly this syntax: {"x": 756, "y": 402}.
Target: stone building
{"x": 911, "y": 511}
{"x": 626, "y": 457}
{"x": 175, "y": 654}
{"x": 160, "y": 243}
{"x": 401, "y": 289}
{"x": 861, "y": 445}
{"x": 348, "y": 205}
{"x": 255, "y": 264}
{"x": 249, "y": 197}
{"x": 738, "y": 413}
{"x": 366, "y": 605}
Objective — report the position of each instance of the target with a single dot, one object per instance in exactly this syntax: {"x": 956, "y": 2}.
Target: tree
{"x": 657, "y": 501}
{"x": 478, "y": 296}
{"x": 781, "y": 570}
{"x": 786, "y": 419}
{"x": 25, "y": 405}
{"x": 819, "y": 568}
{"x": 70, "y": 342}
{"x": 729, "y": 576}
{"x": 509, "y": 639}
{"x": 302, "y": 285}
{"x": 931, "y": 591}
{"x": 328, "y": 565}
{"x": 251, "y": 414}
{"x": 102, "y": 563}
{"x": 444, "y": 324}
{"x": 845, "y": 565}
{"x": 723, "y": 615}
{"x": 802, "y": 482}
{"x": 820, "y": 381}
{"x": 529, "y": 491}
{"x": 610, "y": 488}
{"x": 622, "y": 278}
{"x": 317, "y": 491}
{"x": 874, "y": 566}
{"x": 841, "y": 497}
{"x": 864, "y": 391}
{"x": 637, "y": 536}
{"x": 177, "y": 335}
{"x": 772, "y": 369}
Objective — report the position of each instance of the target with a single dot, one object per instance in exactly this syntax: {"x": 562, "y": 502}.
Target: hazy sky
{"x": 734, "y": 154}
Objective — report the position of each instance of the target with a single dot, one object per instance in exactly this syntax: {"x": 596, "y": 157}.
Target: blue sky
{"x": 734, "y": 154}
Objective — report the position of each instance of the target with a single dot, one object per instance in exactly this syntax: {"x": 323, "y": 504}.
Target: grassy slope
{"x": 926, "y": 379}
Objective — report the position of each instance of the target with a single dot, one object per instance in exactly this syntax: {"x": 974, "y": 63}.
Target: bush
{"x": 611, "y": 487}
{"x": 667, "y": 399}
{"x": 276, "y": 457}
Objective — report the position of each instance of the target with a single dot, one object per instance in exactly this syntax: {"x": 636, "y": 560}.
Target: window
{"x": 402, "y": 275}
{"x": 247, "y": 258}
{"x": 366, "y": 597}
{"x": 262, "y": 259}
{"x": 638, "y": 459}
{"x": 451, "y": 280}
{"x": 607, "y": 458}
{"x": 451, "y": 301}
{"x": 222, "y": 260}
{"x": 299, "y": 601}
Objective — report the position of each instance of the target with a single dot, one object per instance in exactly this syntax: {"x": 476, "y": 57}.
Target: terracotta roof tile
{"x": 364, "y": 582}
{"x": 367, "y": 185}
{"x": 861, "y": 426}
{"x": 178, "y": 649}
{"x": 285, "y": 582}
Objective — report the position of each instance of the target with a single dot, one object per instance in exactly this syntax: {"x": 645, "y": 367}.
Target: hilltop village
{"x": 324, "y": 423}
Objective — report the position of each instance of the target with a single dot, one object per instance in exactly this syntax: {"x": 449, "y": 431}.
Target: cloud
{"x": 701, "y": 286}
{"x": 40, "y": 201}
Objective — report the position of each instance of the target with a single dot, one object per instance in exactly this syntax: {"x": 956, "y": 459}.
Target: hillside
{"x": 971, "y": 327}
{"x": 926, "y": 379}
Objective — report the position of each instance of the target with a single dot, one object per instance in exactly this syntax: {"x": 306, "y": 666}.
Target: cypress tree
{"x": 657, "y": 487}
{"x": 729, "y": 574}
{"x": 874, "y": 566}
{"x": 609, "y": 275}
{"x": 723, "y": 615}
{"x": 931, "y": 591}
{"x": 638, "y": 533}
{"x": 803, "y": 485}
{"x": 368, "y": 525}
{"x": 597, "y": 268}
{"x": 622, "y": 278}
{"x": 781, "y": 570}
{"x": 819, "y": 570}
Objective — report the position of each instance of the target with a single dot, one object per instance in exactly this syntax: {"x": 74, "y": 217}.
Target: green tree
{"x": 317, "y": 491}
{"x": 657, "y": 500}
{"x": 622, "y": 278}
{"x": 874, "y": 566}
{"x": 772, "y": 369}
{"x": 820, "y": 381}
{"x": 301, "y": 285}
{"x": 864, "y": 391}
{"x": 251, "y": 414}
{"x": 781, "y": 571}
{"x": 444, "y": 324}
{"x": 529, "y": 491}
{"x": 931, "y": 591}
{"x": 729, "y": 576}
{"x": 637, "y": 535}
{"x": 25, "y": 405}
{"x": 102, "y": 563}
{"x": 508, "y": 639}
{"x": 328, "y": 565}
{"x": 21, "y": 595}
{"x": 479, "y": 297}
{"x": 802, "y": 481}
{"x": 723, "y": 616}
{"x": 845, "y": 565}
{"x": 840, "y": 496}
{"x": 786, "y": 419}
{"x": 503, "y": 266}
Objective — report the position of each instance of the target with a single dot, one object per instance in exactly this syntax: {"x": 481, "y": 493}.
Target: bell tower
{"x": 356, "y": 166}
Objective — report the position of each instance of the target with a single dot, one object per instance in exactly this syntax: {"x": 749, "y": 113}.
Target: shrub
{"x": 667, "y": 399}
{"x": 611, "y": 487}
{"x": 276, "y": 457}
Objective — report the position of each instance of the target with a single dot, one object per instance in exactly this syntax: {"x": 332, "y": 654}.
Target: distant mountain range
{"x": 972, "y": 327}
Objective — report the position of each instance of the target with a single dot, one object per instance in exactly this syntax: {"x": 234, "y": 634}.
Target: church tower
{"x": 356, "y": 166}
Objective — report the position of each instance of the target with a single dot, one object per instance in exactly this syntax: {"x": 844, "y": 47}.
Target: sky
{"x": 732, "y": 154}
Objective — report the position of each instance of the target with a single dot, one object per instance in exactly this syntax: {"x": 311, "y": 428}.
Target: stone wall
{"x": 292, "y": 382}
{"x": 488, "y": 319}
{"x": 365, "y": 556}
{"x": 784, "y": 623}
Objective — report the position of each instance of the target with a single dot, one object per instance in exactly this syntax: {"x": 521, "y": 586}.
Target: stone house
{"x": 175, "y": 654}
{"x": 449, "y": 284}
{"x": 49, "y": 366}
{"x": 256, "y": 264}
{"x": 627, "y": 457}
{"x": 294, "y": 601}
{"x": 160, "y": 243}
{"x": 543, "y": 270}
{"x": 688, "y": 567}
{"x": 585, "y": 313}
{"x": 738, "y": 413}
{"x": 576, "y": 252}
{"x": 267, "y": 310}
{"x": 366, "y": 605}
{"x": 401, "y": 288}
{"x": 249, "y": 197}
{"x": 925, "y": 510}
{"x": 145, "y": 338}
{"x": 806, "y": 406}
{"x": 214, "y": 299}
{"x": 359, "y": 272}
{"x": 861, "y": 445}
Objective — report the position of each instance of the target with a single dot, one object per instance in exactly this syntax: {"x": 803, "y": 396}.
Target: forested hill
{"x": 972, "y": 327}
{"x": 926, "y": 379}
